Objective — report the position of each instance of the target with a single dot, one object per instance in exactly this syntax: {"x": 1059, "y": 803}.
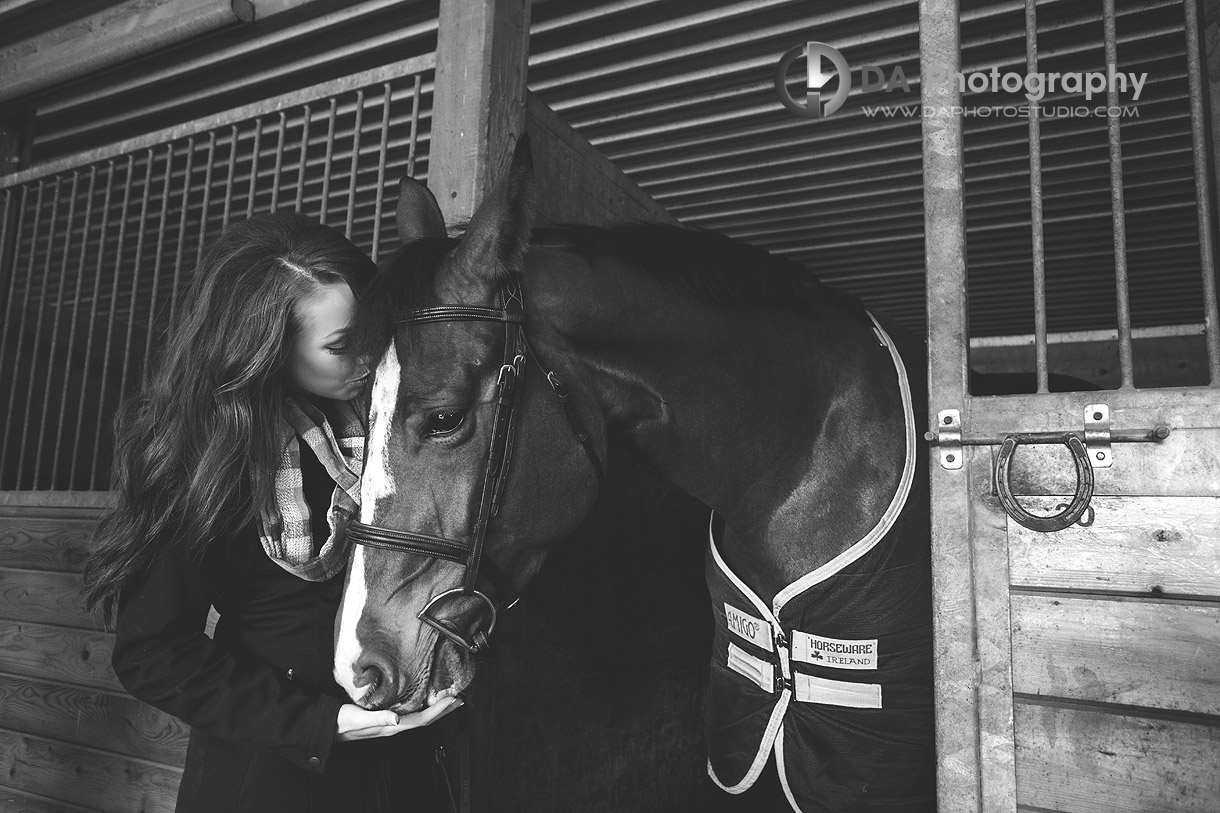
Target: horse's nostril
{"x": 370, "y": 676}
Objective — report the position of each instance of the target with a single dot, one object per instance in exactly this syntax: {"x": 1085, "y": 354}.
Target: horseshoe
{"x": 1056, "y": 522}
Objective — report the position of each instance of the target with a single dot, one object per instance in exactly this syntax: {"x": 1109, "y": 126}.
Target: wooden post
{"x": 478, "y": 107}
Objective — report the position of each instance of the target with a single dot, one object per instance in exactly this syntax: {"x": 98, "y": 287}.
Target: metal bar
{"x": 326, "y": 164}
{"x": 1207, "y": 255}
{"x": 1035, "y": 202}
{"x": 69, "y": 366}
{"x": 8, "y": 321}
{"x": 958, "y": 708}
{"x": 180, "y": 252}
{"x": 386, "y": 73}
{"x": 355, "y": 167}
{"x": 128, "y": 184}
{"x": 46, "y": 284}
{"x": 8, "y": 258}
{"x": 1117, "y": 205}
{"x": 414, "y": 143}
{"x": 232, "y": 169}
{"x": 258, "y": 140}
{"x": 207, "y": 195}
{"x": 97, "y": 292}
{"x": 307, "y": 114}
{"x": 381, "y": 160}
{"x": 135, "y": 275}
{"x": 279, "y": 162}
{"x": 158, "y": 260}
{"x": 1154, "y": 435}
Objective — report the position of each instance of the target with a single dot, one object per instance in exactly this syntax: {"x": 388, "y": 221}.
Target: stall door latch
{"x": 1090, "y": 448}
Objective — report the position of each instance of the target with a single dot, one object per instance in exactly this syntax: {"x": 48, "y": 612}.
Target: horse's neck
{"x": 789, "y": 427}
{"x": 835, "y": 467}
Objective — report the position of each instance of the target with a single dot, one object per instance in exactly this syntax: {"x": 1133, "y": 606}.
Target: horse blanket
{"x": 835, "y": 677}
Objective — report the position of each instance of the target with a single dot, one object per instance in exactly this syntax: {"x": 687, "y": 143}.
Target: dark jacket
{"x": 259, "y": 698}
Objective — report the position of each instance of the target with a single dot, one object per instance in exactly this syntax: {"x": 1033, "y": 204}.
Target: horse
{"x": 508, "y": 359}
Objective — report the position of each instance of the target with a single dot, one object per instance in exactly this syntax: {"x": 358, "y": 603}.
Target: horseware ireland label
{"x": 836, "y": 653}
{"x": 744, "y": 625}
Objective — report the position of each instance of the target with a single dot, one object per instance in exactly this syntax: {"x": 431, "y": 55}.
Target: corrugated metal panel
{"x": 681, "y": 98}
{"x": 680, "y": 95}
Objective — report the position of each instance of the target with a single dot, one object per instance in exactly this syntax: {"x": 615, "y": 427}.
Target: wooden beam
{"x": 134, "y": 29}
{"x": 478, "y": 107}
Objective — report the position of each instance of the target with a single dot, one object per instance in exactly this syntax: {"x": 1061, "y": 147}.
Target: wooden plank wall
{"x": 71, "y": 739}
{"x": 1116, "y": 634}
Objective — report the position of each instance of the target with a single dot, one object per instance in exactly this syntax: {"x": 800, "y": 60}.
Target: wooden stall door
{"x": 1077, "y": 670}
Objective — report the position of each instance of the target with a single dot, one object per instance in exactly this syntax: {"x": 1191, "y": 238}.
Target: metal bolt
{"x": 1101, "y": 455}
{"x": 950, "y": 458}
{"x": 948, "y": 420}
{"x": 1097, "y": 416}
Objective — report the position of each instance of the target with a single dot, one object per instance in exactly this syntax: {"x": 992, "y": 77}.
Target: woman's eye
{"x": 444, "y": 421}
{"x": 337, "y": 349}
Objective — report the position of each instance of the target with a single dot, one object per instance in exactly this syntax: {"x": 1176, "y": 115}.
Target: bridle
{"x": 509, "y": 385}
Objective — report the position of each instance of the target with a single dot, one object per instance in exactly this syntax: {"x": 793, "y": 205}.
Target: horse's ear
{"x": 419, "y": 216}
{"x": 499, "y": 233}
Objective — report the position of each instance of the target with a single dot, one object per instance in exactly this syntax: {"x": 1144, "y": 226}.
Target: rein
{"x": 509, "y": 382}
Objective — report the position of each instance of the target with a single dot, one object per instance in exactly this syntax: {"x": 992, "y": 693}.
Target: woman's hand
{"x": 356, "y": 723}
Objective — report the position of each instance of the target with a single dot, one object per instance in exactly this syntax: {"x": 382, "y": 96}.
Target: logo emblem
{"x": 814, "y": 106}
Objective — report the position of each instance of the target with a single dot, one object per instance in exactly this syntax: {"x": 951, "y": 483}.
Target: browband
{"x": 462, "y": 313}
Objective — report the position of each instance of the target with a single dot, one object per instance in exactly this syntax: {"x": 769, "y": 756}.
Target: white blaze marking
{"x": 375, "y": 483}
{"x": 347, "y": 648}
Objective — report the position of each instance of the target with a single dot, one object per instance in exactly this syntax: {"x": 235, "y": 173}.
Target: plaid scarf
{"x": 284, "y": 526}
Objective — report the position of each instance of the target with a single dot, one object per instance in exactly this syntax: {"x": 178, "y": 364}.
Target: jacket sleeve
{"x": 162, "y": 657}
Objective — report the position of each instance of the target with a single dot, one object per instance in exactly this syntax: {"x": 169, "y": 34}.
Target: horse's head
{"x": 472, "y": 471}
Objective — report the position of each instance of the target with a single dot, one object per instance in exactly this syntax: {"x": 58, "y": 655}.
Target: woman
{"x": 235, "y": 471}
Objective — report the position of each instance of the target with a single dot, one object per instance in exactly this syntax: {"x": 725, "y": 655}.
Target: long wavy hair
{"x": 196, "y": 450}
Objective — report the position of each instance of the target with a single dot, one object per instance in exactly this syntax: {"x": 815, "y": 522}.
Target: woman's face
{"x": 319, "y": 362}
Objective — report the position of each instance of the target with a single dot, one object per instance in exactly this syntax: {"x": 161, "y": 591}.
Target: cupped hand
{"x": 355, "y": 723}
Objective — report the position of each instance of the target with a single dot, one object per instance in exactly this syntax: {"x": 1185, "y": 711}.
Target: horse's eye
{"x": 445, "y": 421}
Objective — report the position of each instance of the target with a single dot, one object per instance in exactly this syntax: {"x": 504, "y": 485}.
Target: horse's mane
{"x": 704, "y": 265}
